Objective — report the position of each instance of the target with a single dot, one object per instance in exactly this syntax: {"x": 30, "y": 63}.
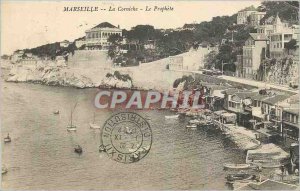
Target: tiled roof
{"x": 105, "y": 25}
{"x": 244, "y": 95}
{"x": 294, "y": 111}
{"x": 232, "y": 91}
{"x": 275, "y": 99}
{"x": 259, "y": 97}
{"x": 258, "y": 36}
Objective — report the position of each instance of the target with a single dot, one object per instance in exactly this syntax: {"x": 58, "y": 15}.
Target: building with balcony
{"x": 290, "y": 122}
{"x": 243, "y": 15}
{"x": 285, "y": 117}
{"x": 254, "y": 51}
{"x": 255, "y": 18}
{"x": 281, "y": 35}
{"x": 237, "y": 101}
{"x": 97, "y": 37}
{"x": 265, "y": 29}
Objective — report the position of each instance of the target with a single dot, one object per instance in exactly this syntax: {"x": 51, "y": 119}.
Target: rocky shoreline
{"x": 53, "y": 75}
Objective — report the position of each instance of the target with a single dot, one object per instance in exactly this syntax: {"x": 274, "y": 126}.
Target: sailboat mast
{"x": 71, "y": 118}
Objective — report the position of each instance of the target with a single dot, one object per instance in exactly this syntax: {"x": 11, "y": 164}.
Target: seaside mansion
{"x": 97, "y": 37}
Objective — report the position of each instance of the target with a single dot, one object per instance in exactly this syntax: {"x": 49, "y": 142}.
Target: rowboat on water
{"x": 236, "y": 166}
{"x": 191, "y": 126}
{"x": 78, "y": 149}
{"x": 56, "y": 112}
{"x": 102, "y": 148}
{"x": 4, "y": 170}
{"x": 239, "y": 176}
{"x": 194, "y": 121}
{"x": 7, "y": 139}
{"x": 172, "y": 116}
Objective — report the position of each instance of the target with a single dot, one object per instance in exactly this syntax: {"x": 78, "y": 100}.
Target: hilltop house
{"x": 280, "y": 36}
{"x": 243, "y": 15}
{"x": 97, "y": 37}
{"x": 255, "y": 18}
{"x": 64, "y": 43}
{"x": 17, "y": 55}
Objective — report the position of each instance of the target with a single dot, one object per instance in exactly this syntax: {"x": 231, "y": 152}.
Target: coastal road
{"x": 259, "y": 84}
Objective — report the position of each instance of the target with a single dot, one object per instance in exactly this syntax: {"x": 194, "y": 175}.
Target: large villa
{"x": 97, "y": 37}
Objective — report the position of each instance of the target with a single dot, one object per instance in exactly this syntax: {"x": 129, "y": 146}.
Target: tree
{"x": 210, "y": 59}
{"x": 287, "y": 10}
{"x": 115, "y": 39}
{"x": 291, "y": 45}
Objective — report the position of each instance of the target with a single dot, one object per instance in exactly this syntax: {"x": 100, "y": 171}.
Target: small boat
{"x": 102, "y": 148}
{"x": 56, "y": 112}
{"x": 191, "y": 126}
{"x": 7, "y": 139}
{"x": 236, "y": 166}
{"x": 4, "y": 170}
{"x": 172, "y": 116}
{"x": 78, "y": 149}
{"x": 94, "y": 125}
{"x": 238, "y": 176}
{"x": 71, "y": 126}
{"x": 194, "y": 121}
{"x": 135, "y": 156}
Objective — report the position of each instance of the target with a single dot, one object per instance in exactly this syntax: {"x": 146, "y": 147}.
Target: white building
{"x": 79, "y": 43}
{"x": 17, "y": 55}
{"x": 254, "y": 52}
{"x": 97, "y": 37}
{"x": 281, "y": 35}
{"x": 243, "y": 15}
{"x": 64, "y": 43}
{"x": 255, "y": 18}
{"x": 176, "y": 63}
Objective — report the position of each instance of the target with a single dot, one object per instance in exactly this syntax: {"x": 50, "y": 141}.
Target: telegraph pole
{"x": 222, "y": 67}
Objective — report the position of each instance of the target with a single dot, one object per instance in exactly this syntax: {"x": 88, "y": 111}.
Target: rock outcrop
{"x": 62, "y": 76}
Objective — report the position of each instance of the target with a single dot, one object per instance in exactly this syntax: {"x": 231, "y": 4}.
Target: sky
{"x": 27, "y": 24}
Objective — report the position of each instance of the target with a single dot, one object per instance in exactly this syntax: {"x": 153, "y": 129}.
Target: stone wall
{"x": 89, "y": 59}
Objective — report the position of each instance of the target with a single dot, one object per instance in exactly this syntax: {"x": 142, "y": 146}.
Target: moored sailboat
{"x": 93, "y": 125}
{"x": 71, "y": 126}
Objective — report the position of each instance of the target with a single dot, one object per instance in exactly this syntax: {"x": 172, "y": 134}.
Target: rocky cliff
{"x": 62, "y": 76}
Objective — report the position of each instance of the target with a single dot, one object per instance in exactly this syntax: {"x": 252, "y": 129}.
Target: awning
{"x": 256, "y": 112}
{"x": 267, "y": 122}
{"x": 244, "y": 113}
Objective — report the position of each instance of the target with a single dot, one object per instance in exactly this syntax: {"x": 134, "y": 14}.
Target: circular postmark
{"x": 127, "y": 137}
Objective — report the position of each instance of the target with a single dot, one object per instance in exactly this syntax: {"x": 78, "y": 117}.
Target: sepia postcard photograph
{"x": 149, "y": 95}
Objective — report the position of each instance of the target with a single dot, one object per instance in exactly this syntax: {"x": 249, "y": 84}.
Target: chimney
{"x": 118, "y": 26}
